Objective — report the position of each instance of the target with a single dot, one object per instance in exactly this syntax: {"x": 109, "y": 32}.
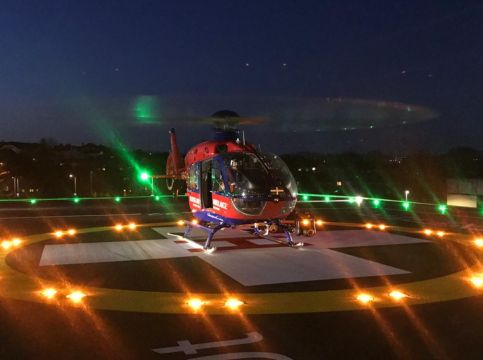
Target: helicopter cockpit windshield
{"x": 258, "y": 175}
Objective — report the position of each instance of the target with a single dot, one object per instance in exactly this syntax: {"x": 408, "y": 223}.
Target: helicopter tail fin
{"x": 175, "y": 161}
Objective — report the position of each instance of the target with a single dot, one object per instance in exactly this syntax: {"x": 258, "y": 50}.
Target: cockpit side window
{"x": 193, "y": 178}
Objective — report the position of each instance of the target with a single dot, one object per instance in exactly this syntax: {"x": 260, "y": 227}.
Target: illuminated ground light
{"x": 369, "y": 226}
{"x": 71, "y": 232}
{"x": 117, "y": 199}
{"x": 76, "y": 296}
{"x": 119, "y": 227}
{"x": 33, "y": 201}
{"x": 195, "y": 222}
{"x": 180, "y": 222}
{"x": 477, "y": 281}
{"x": 327, "y": 199}
{"x": 58, "y": 234}
{"x": 376, "y": 203}
{"x": 406, "y": 205}
{"x": 478, "y": 242}
{"x": 16, "y": 242}
{"x": 443, "y": 209}
{"x": 319, "y": 222}
{"x": 76, "y": 200}
{"x": 157, "y": 198}
{"x": 49, "y": 293}
{"x": 382, "y": 227}
{"x": 428, "y": 232}
{"x": 6, "y": 244}
{"x": 397, "y": 295}
{"x": 233, "y": 303}
{"x": 305, "y": 198}
{"x": 365, "y": 298}
{"x": 440, "y": 233}
{"x": 195, "y": 304}
{"x": 132, "y": 226}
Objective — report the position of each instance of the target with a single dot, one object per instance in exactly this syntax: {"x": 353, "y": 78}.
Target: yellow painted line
{"x": 15, "y": 285}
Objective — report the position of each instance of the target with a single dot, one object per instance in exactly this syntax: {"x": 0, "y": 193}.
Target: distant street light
{"x": 406, "y": 193}
{"x": 72, "y": 176}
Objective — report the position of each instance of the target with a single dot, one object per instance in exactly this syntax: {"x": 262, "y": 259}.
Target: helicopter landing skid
{"x": 288, "y": 235}
{"x": 211, "y": 231}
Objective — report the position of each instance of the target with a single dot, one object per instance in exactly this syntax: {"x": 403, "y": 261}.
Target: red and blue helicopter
{"x": 229, "y": 182}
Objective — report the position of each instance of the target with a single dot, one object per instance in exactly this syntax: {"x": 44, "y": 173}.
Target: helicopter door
{"x": 206, "y": 184}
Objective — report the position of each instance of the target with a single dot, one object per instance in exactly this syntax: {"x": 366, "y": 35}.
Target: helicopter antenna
{"x": 243, "y": 137}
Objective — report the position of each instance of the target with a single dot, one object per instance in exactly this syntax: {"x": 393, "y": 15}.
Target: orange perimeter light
{"x": 49, "y": 293}
{"x": 76, "y": 296}
{"x": 365, "y": 298}
{"x": 180, "y": 222}
{"x": 369, "y": 226}
{"x": 397, "y": 295}
{"x": 428, "y": 232}
{"x": 132, "y": 226}
{"x": 233, "y": 303}
{"x": 195, "y": 222}
{"x": 195, "y": 303}
{"x": 71, "y": 232}
{"x": 440, "y": 233}
{"x": 478, "y": 242}
{"x": 58, "y": 234}
{"x": 16, "y": 242}
{"x": 477, "y": 281}
{"x": 118, "y": 227}
{"x": 305, "y": 222}
{"x": 319, "y": 222}
{"x": 382, "y": 227}
{"x": 6, "y": 244}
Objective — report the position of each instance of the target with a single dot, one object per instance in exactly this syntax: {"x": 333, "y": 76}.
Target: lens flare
{"x": 49, "y": 293}
{"x": 397, "y": 295}
{"x": 76, "y": 296}
{"x": 6, "y": 244}
{"x": 478, "y": 242}
{"x": 365, "y": 298}
{"x": 233, "y": 303}
{"x": 195, "y": 303}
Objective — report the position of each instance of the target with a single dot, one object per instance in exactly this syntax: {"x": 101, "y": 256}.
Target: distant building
{"x": 464, "y": 192}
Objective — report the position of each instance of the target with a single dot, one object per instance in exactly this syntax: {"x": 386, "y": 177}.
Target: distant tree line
{"x": 42, "y": 170}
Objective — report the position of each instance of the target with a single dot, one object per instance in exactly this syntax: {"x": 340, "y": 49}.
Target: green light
{"x": 157, "y": 197}
{"x": 146, "y": 109}
{"x": 76, "y": 200}
{"x": 327, "y": 198}
{"x": 406, "y": 205}
{"x": 33, "y": 201}
{"x": 442, "y": 209}
{"x": 144, "y": 176}
{"x": 305, "y": 198}
{"x": 352, "y": 200}
{"x": 376, "y": 203}
{"x": 117, "y": 199}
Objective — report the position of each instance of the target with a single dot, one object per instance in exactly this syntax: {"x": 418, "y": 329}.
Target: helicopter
{"x": 230, "y": 182}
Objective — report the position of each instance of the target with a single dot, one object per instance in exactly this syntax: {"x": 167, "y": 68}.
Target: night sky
{"x": 75, "y": 71}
